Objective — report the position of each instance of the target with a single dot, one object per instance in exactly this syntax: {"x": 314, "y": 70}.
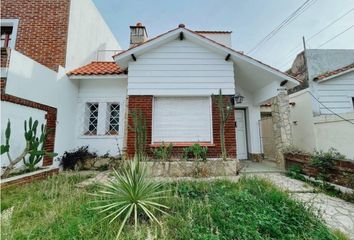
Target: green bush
{"x": 196, "y": 151}
{"x": 325, "y": 161}
{"x": 163, "y": 152}
{"x": 131, "y": 195}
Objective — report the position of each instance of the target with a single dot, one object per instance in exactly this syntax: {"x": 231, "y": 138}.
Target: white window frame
{"x": 14, "y": 24}
{"x": 108, "y": 118}
{"x": 103, "y": 114}
{"x": 210, "y": 114}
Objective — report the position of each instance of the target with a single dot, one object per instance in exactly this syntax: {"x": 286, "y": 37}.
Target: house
{"x": 322, "y": 113}
{"x": 173, "y": 79}
{"x": 38, "y": 47}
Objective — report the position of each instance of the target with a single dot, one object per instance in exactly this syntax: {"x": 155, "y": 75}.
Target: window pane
{"x": 113, "y": 118}
{"x": 91, "y": 119}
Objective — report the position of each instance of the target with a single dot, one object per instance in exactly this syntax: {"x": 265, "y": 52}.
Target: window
{"x": 6, "y": 33}
{"x": 182, "y": 119}
{"x": 9, "y": 32}
{"x": 91, "y": 119}
{"x": 353, "y": 102}
{"x": 112, "y": 119}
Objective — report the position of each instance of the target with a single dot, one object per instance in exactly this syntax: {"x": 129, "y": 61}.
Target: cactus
{"x": 34, "y": 150}
{"x": 139, "y": 127}
{"x": 225, "y": 110}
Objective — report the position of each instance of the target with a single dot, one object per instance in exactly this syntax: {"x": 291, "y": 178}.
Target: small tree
{"x": 34, "y": 148}
{"x": 225, "y": 111}
{"x": 139, "y": 128}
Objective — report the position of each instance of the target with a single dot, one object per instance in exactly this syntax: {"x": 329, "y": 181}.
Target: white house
{"x": 172, "y": 79}
{"x": 34, "y": 62}
{"x": 322, "y": 113}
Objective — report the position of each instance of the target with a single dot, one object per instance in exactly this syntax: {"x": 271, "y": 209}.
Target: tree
{"x": 225, "y": 111}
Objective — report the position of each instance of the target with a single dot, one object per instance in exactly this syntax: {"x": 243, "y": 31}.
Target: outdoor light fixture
{"x": 238, "y": 98}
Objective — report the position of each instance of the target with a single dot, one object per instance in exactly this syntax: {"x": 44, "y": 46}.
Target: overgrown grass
{"x": 249, "y": 209}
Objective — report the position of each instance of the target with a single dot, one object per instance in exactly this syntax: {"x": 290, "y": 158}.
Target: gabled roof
{"x": 213, "y": 32}
{"x": 97, "y": 68}
{"x": 125, "y": 56}
{"x": 334, "y": 73}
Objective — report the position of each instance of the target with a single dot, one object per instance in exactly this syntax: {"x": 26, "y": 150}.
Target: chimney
{"x": 138, "y": 35}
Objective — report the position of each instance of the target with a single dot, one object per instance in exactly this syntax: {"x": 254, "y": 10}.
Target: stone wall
{"x": 211, "y": 168}
{"x": 281, "y": 125}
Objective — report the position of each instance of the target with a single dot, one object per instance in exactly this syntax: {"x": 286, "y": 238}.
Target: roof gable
{"x": 124, "y": 57}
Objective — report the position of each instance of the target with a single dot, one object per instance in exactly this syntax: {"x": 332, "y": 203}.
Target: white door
{"x": 241, "y": 134}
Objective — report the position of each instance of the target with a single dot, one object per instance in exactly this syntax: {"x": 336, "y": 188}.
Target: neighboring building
{"x": 323, "y": 109}
{"x": 40, "y": 42}
{"x": 173, "y": 79}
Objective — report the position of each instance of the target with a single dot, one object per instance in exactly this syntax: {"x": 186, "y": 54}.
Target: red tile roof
{"x": 214, "y": 32}
{"x": 334, "y": 72}
{"x": 97, "y": 68}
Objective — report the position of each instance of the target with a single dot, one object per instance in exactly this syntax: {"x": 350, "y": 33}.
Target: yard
{"x": 249, "y": 209}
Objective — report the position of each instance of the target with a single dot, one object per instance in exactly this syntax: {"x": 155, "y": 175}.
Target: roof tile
{"x": 334, "y": 72}
{"x": 97, "y": 68}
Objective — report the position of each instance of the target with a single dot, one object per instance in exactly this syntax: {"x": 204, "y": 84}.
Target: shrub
{"x": 293, "y": 150}
{"x": 325, "y": 161}
{"x": 72, "y": 160}
{"x": 139, "y": 128}
{"x": 163, "y": 152}
{"x": 197, "y": 151}
{"x": 130, "y": 193}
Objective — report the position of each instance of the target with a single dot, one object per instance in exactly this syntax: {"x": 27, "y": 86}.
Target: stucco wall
{"x": 33, "y": 81}
{"x": 302, "y": 120}
{"x": 17, "y": 114}
{"x": 100, "y": 91}
{"x": 88, "y": 32}
{"x": 331, "y": 131}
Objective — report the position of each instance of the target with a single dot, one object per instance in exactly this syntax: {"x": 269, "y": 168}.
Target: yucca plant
{"x": 130, "y": 194}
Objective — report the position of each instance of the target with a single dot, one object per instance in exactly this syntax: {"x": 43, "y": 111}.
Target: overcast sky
{"x": 249, "y": 20}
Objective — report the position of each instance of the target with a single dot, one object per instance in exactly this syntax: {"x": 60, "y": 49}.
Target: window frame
{"x": 87, "y": 119}
{"x": 183, "y": 143}
{"x": 14, "y": 24}
{"x": 108, "y": 131}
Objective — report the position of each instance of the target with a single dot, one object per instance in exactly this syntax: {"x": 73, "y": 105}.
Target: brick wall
{"x": 42, "y": 31}
{"x": 51, "y": 117}
{"x": 145, "y": 104}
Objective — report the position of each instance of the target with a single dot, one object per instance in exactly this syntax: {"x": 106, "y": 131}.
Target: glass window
{"x": 113, "y": 118}
{"x": 91, "y": 119}
{"x": 6, "y": 33}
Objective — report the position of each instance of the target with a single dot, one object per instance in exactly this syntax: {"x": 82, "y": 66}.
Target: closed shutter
{"x": 182, "y": 119}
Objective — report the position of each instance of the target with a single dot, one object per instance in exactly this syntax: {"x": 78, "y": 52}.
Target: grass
{"x": 249, "y": 209}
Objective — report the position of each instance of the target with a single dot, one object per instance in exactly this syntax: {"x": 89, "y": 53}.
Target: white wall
{"x": 101, "y": 91}
{"x": 253, "y": 115}
{"x": 180, "y": 68}
{"x": 30, "y": 80}
{"x": 87, "y": 33}
{"x": 301, "y": 117}
{"x": 17, "y": 114}
{"x": 336, "y": 94}
{"x": 223, "y": 38}
{"x": 331, "y": 131}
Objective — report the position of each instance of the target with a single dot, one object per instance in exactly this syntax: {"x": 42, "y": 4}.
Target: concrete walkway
{"x": 337, "y": 213}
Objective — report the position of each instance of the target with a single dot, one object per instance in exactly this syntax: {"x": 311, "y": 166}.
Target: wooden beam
{"x": 133, "y": 57}
{"x": 227, "y": 57}
{"x": 181, "y": 36}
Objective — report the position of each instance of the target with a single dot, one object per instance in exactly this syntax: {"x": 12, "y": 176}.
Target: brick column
{"x": 281, "y": 125}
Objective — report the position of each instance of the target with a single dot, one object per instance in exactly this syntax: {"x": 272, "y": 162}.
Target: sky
{"x": 250, "y": 21}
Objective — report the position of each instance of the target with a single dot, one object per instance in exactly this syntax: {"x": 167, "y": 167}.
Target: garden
{"x": 248, "y": 209}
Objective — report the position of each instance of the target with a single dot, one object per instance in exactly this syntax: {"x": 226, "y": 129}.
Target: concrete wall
{"x": 331, "y": 131}
{"x": 88, "y": 32}
{"x": 101, "y": 91}
{"x": 17, "y": 114}
{"x": 33, "y": 81}
{"x": 302, "y": 120}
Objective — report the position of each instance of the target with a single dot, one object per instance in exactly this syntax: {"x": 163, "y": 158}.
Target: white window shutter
{"x": 182, "y": 119}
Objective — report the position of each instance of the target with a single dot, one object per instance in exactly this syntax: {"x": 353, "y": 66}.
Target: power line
{"x": 337, "y": 35}
{"x": 284, "y": 23}
{"x": 317, "y": 33}
{"x": 330, "y": 109}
